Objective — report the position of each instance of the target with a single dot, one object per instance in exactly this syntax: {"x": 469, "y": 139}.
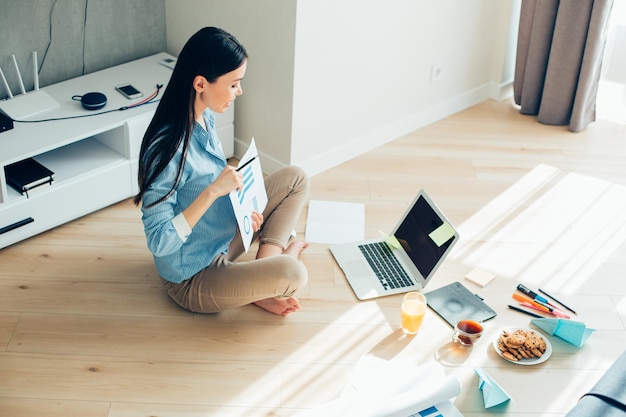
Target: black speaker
{"x": 92, "y": 101}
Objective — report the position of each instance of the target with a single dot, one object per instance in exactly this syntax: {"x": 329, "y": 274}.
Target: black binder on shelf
{"x": 27, "y": 175}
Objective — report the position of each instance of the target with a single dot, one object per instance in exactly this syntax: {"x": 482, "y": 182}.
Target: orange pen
{"x": 523, "y": 299}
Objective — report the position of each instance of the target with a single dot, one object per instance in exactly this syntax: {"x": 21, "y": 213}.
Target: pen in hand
{"x": 247, "y": 163}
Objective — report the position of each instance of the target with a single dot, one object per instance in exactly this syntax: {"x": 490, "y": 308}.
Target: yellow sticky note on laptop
{"x": 391, "y": 240}
{"x": 442, "y": 234}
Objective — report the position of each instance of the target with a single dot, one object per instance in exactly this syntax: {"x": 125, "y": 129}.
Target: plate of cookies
{"x": 522, "y": 346}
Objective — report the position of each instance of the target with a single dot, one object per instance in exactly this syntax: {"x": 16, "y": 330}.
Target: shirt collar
{"x": 208, "y": 139}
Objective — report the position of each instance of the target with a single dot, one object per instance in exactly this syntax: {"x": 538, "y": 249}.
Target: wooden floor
{"x": 86, "y": 331}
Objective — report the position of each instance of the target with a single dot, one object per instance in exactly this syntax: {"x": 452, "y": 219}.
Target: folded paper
{"x": 574, "y": 332}
{"x": 493, "y": 394}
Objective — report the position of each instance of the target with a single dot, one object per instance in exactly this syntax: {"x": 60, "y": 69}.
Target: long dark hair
{"x": 211, "y": 52}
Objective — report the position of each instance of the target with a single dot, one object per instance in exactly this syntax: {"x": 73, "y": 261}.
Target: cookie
{"x": 509, "y": 356}
{"x": 521, "y": 344}
{"x": 531, "y": 343}
{"x": 514, "y": 341}
{"x": 501, "y": 346}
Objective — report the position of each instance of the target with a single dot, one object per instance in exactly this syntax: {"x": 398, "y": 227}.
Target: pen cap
{"x": 522, "y": 288}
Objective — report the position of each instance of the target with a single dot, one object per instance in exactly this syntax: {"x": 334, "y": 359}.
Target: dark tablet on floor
{"x": 455, "y": 302}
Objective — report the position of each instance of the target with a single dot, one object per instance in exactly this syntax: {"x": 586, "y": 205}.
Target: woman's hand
{"x": 257, "y": 221}
{"x": 228, "y": 180}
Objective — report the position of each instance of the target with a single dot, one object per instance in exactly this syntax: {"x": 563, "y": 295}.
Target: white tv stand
{"x": 94, "y": 158}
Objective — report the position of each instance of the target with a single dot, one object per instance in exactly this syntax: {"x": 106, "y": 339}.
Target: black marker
{"x": 543, "y": 292}
{"x": 521, "y": 310}
{"x": 534, "y": 295}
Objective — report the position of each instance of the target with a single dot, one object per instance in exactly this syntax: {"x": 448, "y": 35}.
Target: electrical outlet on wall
{"x": 436, "y": 73}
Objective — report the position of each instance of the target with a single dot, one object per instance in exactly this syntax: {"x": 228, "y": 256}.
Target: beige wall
{"x": 330, "y": 79}
{"x": 267, "y": 30}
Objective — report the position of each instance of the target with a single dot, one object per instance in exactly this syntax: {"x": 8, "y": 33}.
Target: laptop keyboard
{"x": 387, "y": 268}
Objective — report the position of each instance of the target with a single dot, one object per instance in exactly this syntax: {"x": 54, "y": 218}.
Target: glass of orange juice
{"x": 413, "y": 310}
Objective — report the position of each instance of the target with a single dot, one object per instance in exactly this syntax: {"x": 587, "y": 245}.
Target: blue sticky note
{"x": 574, "y": 332}
{"x": 493, "y": 394}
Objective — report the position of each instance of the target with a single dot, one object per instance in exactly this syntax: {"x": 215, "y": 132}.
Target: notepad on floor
{"x": 479, "y": 276}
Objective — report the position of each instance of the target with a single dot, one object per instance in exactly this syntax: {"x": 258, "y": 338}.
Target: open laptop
{"x": 404, "y": 261}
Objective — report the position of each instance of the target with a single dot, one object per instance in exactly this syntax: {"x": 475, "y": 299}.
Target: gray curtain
{"x": 560, "y": 48}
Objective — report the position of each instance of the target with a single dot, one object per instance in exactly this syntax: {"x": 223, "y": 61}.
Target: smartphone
{"x": 129, "y": 91}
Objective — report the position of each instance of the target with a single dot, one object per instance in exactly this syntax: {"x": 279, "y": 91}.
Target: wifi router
{"x": 26, "y": 104}
{"x": 29, "y": 104}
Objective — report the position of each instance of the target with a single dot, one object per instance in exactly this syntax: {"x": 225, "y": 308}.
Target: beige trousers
{"x": 226, "y": 284}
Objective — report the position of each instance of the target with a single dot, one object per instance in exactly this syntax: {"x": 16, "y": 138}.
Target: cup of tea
{"x": 467, "y": 332}
{"x": 413, "y": 310}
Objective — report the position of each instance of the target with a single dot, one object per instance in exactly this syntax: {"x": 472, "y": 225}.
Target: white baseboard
{"x": 360, "y": 145}
{"x": 501, "y": 91}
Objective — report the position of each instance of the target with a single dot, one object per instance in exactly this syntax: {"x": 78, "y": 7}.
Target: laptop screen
{"x": 414, "y": 236}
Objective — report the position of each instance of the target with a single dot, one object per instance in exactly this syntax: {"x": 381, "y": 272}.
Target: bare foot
{"x": 280, "y": 307}
{"x": 289, "y": 305}
{"x": 295, "y": 248}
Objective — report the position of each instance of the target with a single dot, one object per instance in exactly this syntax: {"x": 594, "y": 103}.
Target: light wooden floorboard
{"x": 86, "y": 330}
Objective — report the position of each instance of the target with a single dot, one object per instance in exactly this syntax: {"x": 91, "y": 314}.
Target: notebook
{"x": 27, "y": 174}
{"x": 404, "y": 261}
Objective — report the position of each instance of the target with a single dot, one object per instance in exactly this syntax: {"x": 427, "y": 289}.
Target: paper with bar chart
{"x": 251, "y": 197}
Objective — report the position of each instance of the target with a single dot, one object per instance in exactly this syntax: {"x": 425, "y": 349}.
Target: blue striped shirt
{"x": 179, "y": 253}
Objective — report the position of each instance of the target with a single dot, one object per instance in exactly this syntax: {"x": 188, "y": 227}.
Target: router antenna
{"x": 6, "y": 85}
{"x": 19, "y": 76}
{"x": 35, "y": 71}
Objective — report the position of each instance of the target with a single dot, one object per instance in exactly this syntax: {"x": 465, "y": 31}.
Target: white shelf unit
{"x": 94, "y": 159}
